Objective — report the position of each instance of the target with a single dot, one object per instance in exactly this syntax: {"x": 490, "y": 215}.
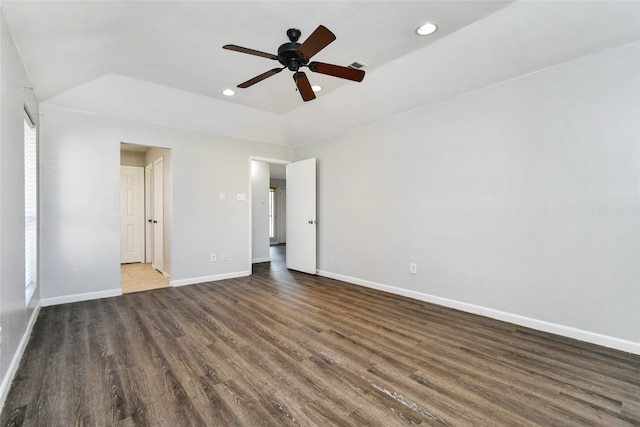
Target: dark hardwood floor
{"x": 282, "y": 348}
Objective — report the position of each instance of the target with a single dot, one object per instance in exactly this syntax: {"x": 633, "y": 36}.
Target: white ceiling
{"x": 162, "y": 61}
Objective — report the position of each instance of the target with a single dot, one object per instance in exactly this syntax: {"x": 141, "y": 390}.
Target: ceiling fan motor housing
{"x": 290, "y": 57}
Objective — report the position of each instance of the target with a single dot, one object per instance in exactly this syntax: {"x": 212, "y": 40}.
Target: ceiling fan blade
{"x": 249, "y": 51}
{"x": 259, "y": 78}
{"x": 337, "y": 71}
{"x": 304, "y": 86}
{"x": 317, "y": 41}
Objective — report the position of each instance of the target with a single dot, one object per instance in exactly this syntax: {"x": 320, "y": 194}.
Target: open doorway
{"x": 278, "y": 204}
{"x": 145, "y": 212}
{"x": 300, "y": 234}
{"x": 268, "y": 211}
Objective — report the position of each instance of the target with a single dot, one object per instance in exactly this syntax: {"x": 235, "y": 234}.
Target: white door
{"x": 131, "y": 214}
{"x": 158, "y": 216}
{"x": 301, "y": 216}
{"x": 148, "y": 213}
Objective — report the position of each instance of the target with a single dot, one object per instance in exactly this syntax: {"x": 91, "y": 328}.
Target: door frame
{"x": 250, "y": 204}
{"x": 167, "y": 183}
{"x": 158, "y": 205}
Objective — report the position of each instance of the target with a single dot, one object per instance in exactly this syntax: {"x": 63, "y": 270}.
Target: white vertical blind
{"x": 272, "y": 192}
{"x": 30, "y": 206}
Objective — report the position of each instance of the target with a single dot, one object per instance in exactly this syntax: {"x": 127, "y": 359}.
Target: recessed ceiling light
{"x": 426, "y": 29}
{"x": 228, "y": 92}
{"x": 316, "y": 88}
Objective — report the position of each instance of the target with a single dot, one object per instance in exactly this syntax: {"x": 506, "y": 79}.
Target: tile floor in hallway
{"x": 141, "y": 277}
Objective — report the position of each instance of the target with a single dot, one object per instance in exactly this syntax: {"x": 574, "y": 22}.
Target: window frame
{"x": 31, "y": 204}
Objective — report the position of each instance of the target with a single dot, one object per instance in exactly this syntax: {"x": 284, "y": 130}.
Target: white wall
{"x": 260, "y": 211}
{"x": 15, "y": 317}
{"x": 132, "y": 158}
{"x": 80, "y": 202}
{"x": 519, "y": 201}
{"x": 278, "y": 183}
{"x": 280, "y": 202}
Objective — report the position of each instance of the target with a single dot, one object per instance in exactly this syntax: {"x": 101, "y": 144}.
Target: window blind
{"x": 30, "y": 205}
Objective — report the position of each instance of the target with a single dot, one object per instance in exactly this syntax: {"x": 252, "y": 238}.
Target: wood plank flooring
{"x": 281, "y": 348}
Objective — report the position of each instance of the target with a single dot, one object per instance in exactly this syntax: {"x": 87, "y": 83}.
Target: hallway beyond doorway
{"x": 278, "y": 255}
{"x": 138, "y": 277}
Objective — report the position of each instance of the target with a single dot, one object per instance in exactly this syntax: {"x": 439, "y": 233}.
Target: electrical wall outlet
{"x": 413, "y": 268}
{"x": 213, "y": 258}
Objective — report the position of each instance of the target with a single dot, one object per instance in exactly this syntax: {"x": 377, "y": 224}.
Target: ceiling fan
{"x": 295, "y": 56}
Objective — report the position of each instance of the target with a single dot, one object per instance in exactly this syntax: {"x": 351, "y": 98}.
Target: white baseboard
{"x": 541, "y": 325}
{"x": 204, "y": 279}
{"x": 258, "y": 260}
{"x": 17, "y": 356}
{"x": 45, "y": 302}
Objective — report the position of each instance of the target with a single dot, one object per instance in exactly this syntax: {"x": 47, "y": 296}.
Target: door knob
{"x": 312, "y": 221}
